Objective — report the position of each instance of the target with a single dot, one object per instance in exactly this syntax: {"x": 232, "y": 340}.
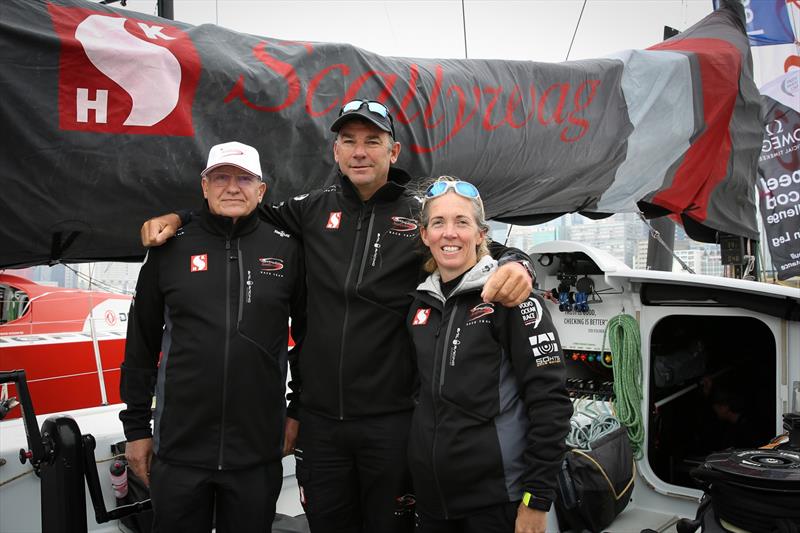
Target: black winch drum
{"x": 756, "y": 490}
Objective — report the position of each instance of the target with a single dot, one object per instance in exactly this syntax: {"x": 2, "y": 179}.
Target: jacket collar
{"x": 395, "y": 186}
{"x": 474, "y": 279}
{"x": 224, "y": 226}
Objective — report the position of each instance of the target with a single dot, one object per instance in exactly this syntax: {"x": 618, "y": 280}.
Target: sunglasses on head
{"x": 374, "y": 107}
{"x": 465, "y": 189}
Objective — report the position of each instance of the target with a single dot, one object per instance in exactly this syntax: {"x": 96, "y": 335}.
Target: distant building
{"x": 526, "y": 237}
{"x": 115, "y": 277}
{"x": 618, "y": 235}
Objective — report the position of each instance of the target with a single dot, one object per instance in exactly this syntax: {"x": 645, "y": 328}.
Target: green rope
{"x": 622, "y": 332}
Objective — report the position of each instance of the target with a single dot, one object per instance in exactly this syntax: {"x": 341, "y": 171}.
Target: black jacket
{"x": 215, "y": 301}
{"x": 362, "y": 261}
{"x": 493, "y": 408}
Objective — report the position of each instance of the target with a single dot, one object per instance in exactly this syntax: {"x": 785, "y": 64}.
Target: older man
{"x": 215, "y": 303}
{"x": 354, "y": 376}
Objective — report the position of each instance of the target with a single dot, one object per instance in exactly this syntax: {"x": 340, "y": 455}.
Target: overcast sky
{"x": 535, "y": 30}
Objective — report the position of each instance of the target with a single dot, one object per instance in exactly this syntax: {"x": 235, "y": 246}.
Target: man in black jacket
{"x": 215, "y": 303}
{"x": 353, "y": 378}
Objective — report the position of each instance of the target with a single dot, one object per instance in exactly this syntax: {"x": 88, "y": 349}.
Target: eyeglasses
{"x": 465, "y": 189}
{"x": 221, "y": 180}
{"x": 375, "y": 107}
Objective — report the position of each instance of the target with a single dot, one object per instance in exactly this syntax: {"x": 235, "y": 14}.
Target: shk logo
{"x": 334, "y": 219}
{"x": 123, "y": 75}
{"x": 421, "y": 317}
{"x": 199, "y": 263}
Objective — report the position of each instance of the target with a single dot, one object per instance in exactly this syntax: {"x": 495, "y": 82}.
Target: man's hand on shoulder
{"x": 509, "y": 285}
{"x": 158, "y": 230}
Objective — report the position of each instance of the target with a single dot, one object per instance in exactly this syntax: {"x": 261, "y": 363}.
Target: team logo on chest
{"x": 403, "y": 227}
{"x": 421, "y": 317}
{"x": 270, "y": 266}
{"x": 334, "y": 220}
{"x": 198, "y": 263}
{"x": 479, "y": 311}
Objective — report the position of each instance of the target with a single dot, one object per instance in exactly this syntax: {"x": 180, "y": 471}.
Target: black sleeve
{"x": 299, "y": 325}
{"x": 185, "y": 216}
{"x": 538, "y": 364}
{"x": 285, "y": 215}
{"x": 503, "y": 254}
{"x": 142, "y": 350}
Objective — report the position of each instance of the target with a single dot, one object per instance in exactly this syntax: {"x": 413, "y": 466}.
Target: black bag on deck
{"x": 137, "y": 492}
{"x": 595, "y": 486}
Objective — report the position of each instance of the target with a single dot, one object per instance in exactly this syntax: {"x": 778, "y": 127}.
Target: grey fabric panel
{"x": 658, "y": 90}
{"x": 511, "y": 427}
{"x": 166, "y": 344}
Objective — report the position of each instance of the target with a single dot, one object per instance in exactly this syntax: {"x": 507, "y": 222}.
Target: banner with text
{"x": 109, "y": 115}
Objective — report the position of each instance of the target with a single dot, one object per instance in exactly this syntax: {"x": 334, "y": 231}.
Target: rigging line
{"x": 657, "y": 236}
{"x": 577, "y": 25}
{"x": 464, "y": 27}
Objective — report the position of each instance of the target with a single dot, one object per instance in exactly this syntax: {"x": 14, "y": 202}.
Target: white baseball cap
{"x": 234, "y": 153}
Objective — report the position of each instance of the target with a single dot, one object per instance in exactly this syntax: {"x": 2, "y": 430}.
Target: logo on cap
{"x": 199, "y": 263}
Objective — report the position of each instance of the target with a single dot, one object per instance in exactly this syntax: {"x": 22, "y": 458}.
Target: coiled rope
{"x": 582, "y": 436}
{"x": 623, "y": 336}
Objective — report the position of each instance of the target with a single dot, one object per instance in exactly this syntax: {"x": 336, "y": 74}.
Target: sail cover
{"x": 108, "y": 116}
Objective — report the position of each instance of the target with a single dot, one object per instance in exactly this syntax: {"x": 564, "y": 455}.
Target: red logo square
{"x": 102, "y": 85}
{"x": 199, "y": 263}
{"x": 334, "y": 219}
{"x": 421, "y": 317}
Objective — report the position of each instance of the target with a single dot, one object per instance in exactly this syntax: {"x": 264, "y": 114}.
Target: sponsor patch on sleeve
{"x": 531, "y": 311}
{"x": 545, "y": 348}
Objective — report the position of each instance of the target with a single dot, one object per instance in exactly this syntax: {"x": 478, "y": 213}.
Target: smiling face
{"x": 452, "y": 234}
{"x": 232, "y": 192}
{"x": 364, "y": 153}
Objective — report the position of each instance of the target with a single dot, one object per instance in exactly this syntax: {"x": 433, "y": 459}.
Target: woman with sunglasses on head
{"x": 487, "y": 436}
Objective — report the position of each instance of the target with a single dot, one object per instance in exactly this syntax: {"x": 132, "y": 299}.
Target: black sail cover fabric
{"x": 108, "y": 116}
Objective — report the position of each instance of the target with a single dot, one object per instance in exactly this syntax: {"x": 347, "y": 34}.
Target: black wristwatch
{"x": 535, "y": 502}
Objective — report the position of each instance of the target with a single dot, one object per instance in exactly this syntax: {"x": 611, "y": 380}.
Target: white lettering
{"x": 787, "y": 198}
{"x": 99, "y": 104}
{"x": 154, "y": 32}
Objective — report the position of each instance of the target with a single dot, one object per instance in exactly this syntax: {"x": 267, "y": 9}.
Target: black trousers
{"x": 494, "y": 519}
{"x": 353, "y": 474}
{"x": 184, "y": 498}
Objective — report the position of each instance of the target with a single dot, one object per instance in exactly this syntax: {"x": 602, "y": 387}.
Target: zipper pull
{"x": 231, "y": 257}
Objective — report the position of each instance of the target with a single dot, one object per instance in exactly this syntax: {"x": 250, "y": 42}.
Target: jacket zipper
{"x": 367, "y": 247}
{"x": 347, "y": 313}
{"x": 434, "y": 392}
{"x": 446, "y": 346}
{"x": 228, "y": 259}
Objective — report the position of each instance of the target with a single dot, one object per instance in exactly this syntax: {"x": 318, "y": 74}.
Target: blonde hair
{"x": 478, "y": 213}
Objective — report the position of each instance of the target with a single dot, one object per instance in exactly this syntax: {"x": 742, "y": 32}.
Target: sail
{"x": 109, "y": 115}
